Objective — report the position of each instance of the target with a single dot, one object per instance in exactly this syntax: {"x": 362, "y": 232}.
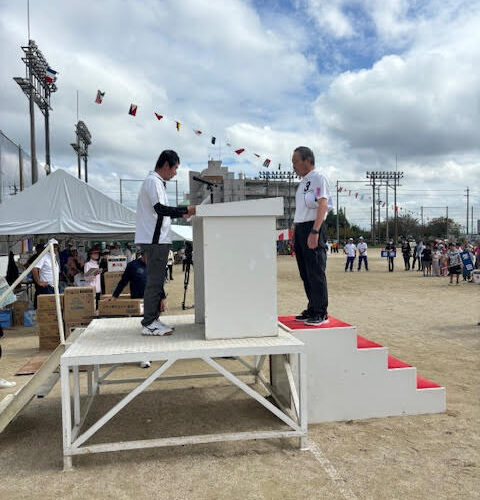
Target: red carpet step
{"x": 350, "y": 377}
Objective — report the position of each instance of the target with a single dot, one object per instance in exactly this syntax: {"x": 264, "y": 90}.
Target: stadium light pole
{"x": 281, "y": 175}
{"x": 380, "y": 178}
{"x": 38, "y": 85}
{"x": 84, "y": 139}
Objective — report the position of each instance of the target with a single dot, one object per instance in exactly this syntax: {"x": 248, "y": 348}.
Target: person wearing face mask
{"x": 91, "y": 272}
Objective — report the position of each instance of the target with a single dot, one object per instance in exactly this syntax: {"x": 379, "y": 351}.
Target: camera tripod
{"x": 186, "y": 279}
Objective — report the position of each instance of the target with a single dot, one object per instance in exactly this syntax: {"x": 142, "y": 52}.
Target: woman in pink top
{"x": 91, "y": 265}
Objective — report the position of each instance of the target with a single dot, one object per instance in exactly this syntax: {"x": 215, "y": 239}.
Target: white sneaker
{"x": 145, "y": 364}
{"x": 161, "y": 324}
{"x": 152, "y": 329}
{"x": 5, "y": 384}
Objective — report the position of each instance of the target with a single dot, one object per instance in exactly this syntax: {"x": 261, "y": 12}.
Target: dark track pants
{"x": 157, "y": 256}
{"x": 365, "y": 260}
{"x": 312, "y": 265}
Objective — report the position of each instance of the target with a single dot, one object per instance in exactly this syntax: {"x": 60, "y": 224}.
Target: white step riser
{"x": 347, "y": 383}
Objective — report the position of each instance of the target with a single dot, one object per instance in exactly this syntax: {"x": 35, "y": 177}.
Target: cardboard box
{"x": 18, "y": 309}
{"x": 122, "y": 296}
{"x": 111, "y": 282}
{"x": 79, "y": 303}
{"x": 75, "y": 324}
{"x": 48, "y": 343}
{"x": 48, "y": 330}
{"x": 121, "y": 307}
{"x": 48, "y": 303}
{"x": 46, "y": 317}
{"x": 116, "y": 263}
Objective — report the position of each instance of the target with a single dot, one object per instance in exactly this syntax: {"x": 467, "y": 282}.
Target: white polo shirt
{"x": 362, "y": 248}
{"x": 350, "y": 249}
{"x": 311, "y": 188}
{"x": 151, "y": 227}
{"x": 45, "y": 272}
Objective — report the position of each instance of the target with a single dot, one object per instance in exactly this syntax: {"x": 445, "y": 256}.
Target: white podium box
{"x": 234, "y": 254}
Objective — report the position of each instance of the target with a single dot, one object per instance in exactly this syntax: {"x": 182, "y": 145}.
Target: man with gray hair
{"x": 312, "y": 202}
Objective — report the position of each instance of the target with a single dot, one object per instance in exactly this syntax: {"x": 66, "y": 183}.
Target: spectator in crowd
{"x": 466, "y": 272}
{"x": 406, "y": 252}
{"x": 65, "y": 254}
{"x": 91, "y": 272}
{"x": 436, "y": 256}
{"x": 362, "y": 253}
{"x": 103, "y": 264}
{"x": 351, "y": 251}
{"x": 427, "y": 260}
{"x": 43, "y": 273}
{"x": 128, "y": 253}
{"x": 135, "y": 274}
{"x": 39, "y": 248}
{"x": 414, "y": 249}
{"x": 420, "y": 248}
{"x": 454, "y": 262}
{"x": 444, "y": 260}
{"x": 73, "y": 267}
{"x": 170, "y": 261}
{"x": 390, "y": 247}
{"x": 477, "y": 255}
{"x": 116, "y": 250}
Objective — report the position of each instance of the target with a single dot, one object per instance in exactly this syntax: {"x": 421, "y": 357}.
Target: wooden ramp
{"x": 39, "y": 385}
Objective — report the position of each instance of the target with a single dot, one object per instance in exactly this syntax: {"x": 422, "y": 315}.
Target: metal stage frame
{"x": 109, "y": 343}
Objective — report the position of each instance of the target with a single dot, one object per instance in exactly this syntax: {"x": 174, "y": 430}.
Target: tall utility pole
{"x": 468, "y": 209}
{"x": 338, "y": 222}
{"x": 38, "y": 85}
{"x": 386, "y": 212}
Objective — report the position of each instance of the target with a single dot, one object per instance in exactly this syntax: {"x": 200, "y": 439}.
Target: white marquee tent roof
{"x": 61, "y": 204}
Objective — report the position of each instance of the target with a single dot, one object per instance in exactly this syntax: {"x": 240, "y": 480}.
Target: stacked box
{"x": 69, "y": 326}
{"x": 121, "y": 307}
{"x": 47, "y": 322}
{"x": 79, "y": 304}
{"x": 109, "y": 296}
{"x": 18, "y": 308}
{"x": 111, "y": 282}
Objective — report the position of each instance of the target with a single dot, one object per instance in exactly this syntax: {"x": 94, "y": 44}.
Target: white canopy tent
{"x": 62, "y": 205}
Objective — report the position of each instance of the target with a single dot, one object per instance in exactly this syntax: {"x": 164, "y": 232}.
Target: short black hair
{"x": 169, "y": 156}
{"x": 305, "y": 153}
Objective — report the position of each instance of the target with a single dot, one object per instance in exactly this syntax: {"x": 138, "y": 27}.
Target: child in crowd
{"x": 454, "y": 262}
{"x": 427, "y": 260}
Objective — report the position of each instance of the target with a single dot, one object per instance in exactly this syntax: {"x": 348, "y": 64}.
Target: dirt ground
{"x": 423, "y": 321}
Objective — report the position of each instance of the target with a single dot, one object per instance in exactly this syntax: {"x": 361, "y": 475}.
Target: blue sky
{"x": 360, "y": 81}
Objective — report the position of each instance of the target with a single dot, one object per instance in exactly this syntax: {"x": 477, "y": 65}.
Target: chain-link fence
{"x": 15, "y": 168}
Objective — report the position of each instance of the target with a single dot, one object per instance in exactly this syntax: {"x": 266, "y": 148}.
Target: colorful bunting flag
{"x": 213, "y": 140}
{"x": 198, "y": 132}
{"x": 279, "y": 166}
{"x": 255, "y": 154}
{"x": 133, "y": 110}
{"x": 340, "y": 189}
{"x": 50, "y": 75}
{"x": 266, "y": 163}
{"x": 159, "y": 117}
{"x": 356, "y": 195}
{"x": 239, "y": 151}
{"x": 100, "y": 96}
{"x": 178, "y": 126}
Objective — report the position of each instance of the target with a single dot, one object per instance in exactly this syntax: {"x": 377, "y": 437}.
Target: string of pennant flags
{"x": 178, "y": 125}
{"x": 266, "y": 161}
{"x": 361, "y": 197}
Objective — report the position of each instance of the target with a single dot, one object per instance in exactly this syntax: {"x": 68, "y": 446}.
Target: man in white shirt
{"x": 312, "y": 202}
{"x": 362, "y": 253}
{"x": 43, "y": 273}
{"x": 152, "y": 234}
{"x": 351, "y": 250}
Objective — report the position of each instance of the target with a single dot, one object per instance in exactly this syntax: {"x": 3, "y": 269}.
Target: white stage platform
{"x": 116, "y": 341}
